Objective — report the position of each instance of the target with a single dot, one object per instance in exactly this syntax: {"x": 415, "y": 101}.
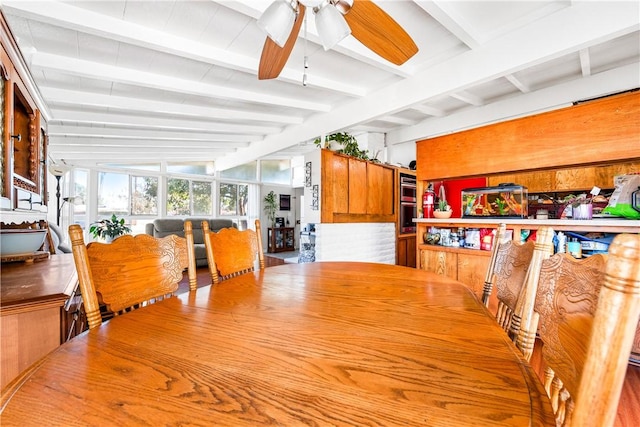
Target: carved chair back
{"x": 231, "y": 252}
{"x": 588, "y": 315}
{"x": 512, "y": 264}
{"x": 130, "y": 272}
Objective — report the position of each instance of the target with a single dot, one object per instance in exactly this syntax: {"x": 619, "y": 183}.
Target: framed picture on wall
{"x": 307, "y": 174}
{"x": 285, "y": 202}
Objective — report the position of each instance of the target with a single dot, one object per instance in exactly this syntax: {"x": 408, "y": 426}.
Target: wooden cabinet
{"x": 355, "y": 190}
{"x": 466, "y": 265}
{"x": 469, "y": 266}
{"x": 23, "y": 146}
{"x": 33, "y": 310}
{"x": 406, "y": 250}
{"x": 280, "y": 239}
{"x": 602, "y": 131}
{"x": 440, "y": 261}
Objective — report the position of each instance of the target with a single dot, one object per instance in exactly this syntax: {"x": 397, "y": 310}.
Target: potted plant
{"x": 443, "y": 210}
{"x": 270, "y": 207}
{"x": 109, "y": 229}
{"x": 343, "y": 143}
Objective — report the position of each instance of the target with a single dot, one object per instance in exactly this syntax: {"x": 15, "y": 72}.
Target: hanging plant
{"x": 348, "y": 144}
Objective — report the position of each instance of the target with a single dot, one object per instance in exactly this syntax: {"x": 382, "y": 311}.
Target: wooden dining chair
{"x": 231, "y": 252}
{"x": 588, "y": 315}
{"x": 130, "y": 272}
{"x": 510, "y": 269}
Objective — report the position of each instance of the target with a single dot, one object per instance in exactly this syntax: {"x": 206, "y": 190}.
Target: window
{"x": 79, "y": 203}
{"x": 202, "y": 199}
{"x": 177, "y": 196}
{"x": 186, "y": 197}
{"x": 124, "y": 194}
{"x": 144, "y": 197}
{"x": 246, "y": 172}
{"x": 192, "y": 168}
{"x": 233, "y": 199}
{"x": 113, "y": 194}
{"x": 275, "y": 171}
{"x": 154, "y": 167}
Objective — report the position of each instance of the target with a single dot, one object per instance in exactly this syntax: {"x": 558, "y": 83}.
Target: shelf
{"x": 280, "y": 239}
{"x": 605, "y": 225}
{"x": 454, "y": 249}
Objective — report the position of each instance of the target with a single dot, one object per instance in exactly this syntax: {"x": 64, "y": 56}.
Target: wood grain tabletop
{"x": 335, "y": 343}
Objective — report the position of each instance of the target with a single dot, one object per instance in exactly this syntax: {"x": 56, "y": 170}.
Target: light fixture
{"x": 331, "y": 25}
{"x": 277, "y": 21}
{"x": 58, "y": 170}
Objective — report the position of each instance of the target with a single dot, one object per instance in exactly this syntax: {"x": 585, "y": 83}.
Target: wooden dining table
{"x": 322, "y": 344}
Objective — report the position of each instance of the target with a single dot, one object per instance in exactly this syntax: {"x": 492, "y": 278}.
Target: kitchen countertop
{"x": 610, "y": 225}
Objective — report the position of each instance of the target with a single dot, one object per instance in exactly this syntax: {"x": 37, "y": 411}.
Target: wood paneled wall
{"x": 601, "y": 131}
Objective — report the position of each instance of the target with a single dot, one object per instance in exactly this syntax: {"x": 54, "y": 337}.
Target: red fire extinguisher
{"x": 428, "y": 200}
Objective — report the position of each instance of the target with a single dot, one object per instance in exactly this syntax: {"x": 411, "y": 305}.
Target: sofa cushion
{"x": 198, "y": 236}
{"x": 166, "y": 226}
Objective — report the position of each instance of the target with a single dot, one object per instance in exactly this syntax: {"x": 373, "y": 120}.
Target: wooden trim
{"x": 595, "y": 132}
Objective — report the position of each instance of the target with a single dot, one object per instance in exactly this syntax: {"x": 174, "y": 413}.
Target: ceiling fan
{"x": 335, "y": 20}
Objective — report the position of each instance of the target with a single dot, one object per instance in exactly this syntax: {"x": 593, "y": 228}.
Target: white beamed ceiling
{"x": 141, "y": 81}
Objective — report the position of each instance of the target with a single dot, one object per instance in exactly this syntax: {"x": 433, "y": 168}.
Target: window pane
{"x": 243, "y": 199}
{"x": 113, "y": 194}
{"x": 246, "y": 172}
{"x": 177, "y": 196}
{"x": 194, "y": 168}
{"x": 144, "y": 199}
{"x": 202, "y": 200}
{"x": 79, "y": 205}
{"x": 275, "y": 171}
{"x": 141, "y": 166}
{"x": 228, "y": 199}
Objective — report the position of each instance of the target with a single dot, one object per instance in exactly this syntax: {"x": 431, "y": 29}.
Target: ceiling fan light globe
{"x": 277, "y": 21}
{"x": 310, "y": 3}
{"x": 331, "y": 25}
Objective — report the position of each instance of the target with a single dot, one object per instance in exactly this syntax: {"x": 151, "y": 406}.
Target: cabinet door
{"x": 289, "y": 244}
{"x": 472, "y": 269}
{"x": 440, "y": 262}
{"x": 411, "y": 252}
{"x": 406, "y": 251}
{"x": 402, "y": 251}
{"x": 358, "y": 187}
{"x": 380, "y": 186}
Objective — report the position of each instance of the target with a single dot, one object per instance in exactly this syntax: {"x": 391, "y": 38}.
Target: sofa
{"x": 166, "y": 226}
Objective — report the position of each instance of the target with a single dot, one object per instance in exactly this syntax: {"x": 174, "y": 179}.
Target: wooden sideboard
{"x": 34, "y": 299}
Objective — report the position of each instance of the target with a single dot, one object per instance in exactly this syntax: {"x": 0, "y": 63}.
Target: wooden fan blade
{"x": 379, "y": 32}
{"x": 273, "y": 56}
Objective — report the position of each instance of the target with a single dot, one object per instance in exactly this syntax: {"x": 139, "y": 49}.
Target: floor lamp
{"x": 58, "y": 171}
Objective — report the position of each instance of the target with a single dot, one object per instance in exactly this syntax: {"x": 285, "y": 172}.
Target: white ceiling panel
{"x": 170, "y": 79}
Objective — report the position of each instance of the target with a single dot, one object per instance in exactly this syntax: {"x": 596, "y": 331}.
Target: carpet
{"x": 288, "y": 257}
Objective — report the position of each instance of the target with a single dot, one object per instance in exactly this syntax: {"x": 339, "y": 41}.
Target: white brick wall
{"x": 372, "y": 242}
